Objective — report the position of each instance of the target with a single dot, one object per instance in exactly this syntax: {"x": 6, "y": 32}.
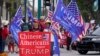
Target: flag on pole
{"x": 15, "y": 26}
{"x": 65, "y": 18}
{"x": 54, "y": 28}
{"x": 73, "y": 7}
{"x": 30, "y": 15}
{"x": 56, "y": 46}
{"x": 56, "y": 49}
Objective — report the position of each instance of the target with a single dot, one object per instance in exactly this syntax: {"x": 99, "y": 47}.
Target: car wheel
{"x": 82, "y": 51}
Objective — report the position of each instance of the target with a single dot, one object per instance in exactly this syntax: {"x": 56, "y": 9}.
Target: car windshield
{"x": 97, "y": 31}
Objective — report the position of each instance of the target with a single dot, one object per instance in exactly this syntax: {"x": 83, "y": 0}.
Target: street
{"x": 75, "y": 53}
{"x": 27, "y": 22}
{"x": 64, "y": 52}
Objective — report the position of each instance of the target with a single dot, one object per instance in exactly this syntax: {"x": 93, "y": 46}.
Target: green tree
{"x": 13, "y": 8}
{"x": 86, "y": 9}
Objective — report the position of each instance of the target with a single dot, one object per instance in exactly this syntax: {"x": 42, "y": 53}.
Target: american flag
{"x": 49, "y": 16}
{"x": 73, "y": 7}
{"x": 54, "y": 25}
{"x": 55, "y": 30}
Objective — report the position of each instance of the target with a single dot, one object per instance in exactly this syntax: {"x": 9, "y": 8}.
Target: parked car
{"x": 89, "y": 43}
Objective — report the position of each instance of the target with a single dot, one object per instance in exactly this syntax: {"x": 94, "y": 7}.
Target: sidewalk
{"x": 63, "y": 52}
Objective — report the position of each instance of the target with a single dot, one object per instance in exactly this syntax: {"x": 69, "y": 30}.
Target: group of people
{"x": 38, "y": 26}
{"x": 65, "y": 39}
{"x": 44, "y": 26}
{"x": 6, "y": 38}
{"x": 35, "y": 26}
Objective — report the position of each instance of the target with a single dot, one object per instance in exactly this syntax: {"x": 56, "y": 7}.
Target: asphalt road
{"x": 64, "y": 52}
{"x": 75, "y": 53}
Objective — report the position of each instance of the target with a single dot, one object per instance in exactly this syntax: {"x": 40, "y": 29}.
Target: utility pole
{"x": 25, "y": 4}
{"x": 1, "y": 7}
{"x": 53, "y": 6}
{"x": 33, "y": 7}
{"x": 39, "y": 9}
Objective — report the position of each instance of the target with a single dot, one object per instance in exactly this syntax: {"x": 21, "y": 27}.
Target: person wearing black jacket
{"x": 68, "y": 42}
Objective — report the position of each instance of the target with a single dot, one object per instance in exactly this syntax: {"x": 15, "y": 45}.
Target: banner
{"x": 56, "y": 49}
{"x": 34, "y": 43}
{"x": 67, "y": 20}
{"x": 73, "y": 8}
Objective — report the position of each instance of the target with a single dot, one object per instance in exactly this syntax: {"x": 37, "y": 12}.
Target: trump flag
{"x": 65, "y": 18}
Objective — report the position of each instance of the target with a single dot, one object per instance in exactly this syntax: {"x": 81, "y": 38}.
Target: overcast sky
{"x": 36, "y": 3}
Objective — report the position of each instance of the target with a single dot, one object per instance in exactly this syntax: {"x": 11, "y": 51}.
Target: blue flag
{"x": 15, "y": 26}
{"x": 56, "y": 46}
{"x": 67, "y": 20}
{"x": 56, "y": 49}
{"x": 73, "y": 8}
{"x": 14, "y": 31}
{"x": 30, "y": 15}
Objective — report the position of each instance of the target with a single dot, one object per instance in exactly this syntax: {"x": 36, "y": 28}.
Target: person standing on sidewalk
{"x": 69, "y": 39}
{"x": 11, "y": 43}
{"x": 47, "y": 29}
{"x": 5, "y": 33}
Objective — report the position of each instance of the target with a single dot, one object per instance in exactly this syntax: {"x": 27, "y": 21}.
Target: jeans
{"x": 2, "y": 45}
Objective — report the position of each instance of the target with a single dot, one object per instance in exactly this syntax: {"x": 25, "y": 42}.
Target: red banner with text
{"x": 34, "y": 43}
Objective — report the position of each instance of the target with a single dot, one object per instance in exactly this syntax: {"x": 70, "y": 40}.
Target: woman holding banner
{"x": 47, "y": 29}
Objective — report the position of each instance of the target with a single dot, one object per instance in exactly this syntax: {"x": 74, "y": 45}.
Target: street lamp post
{"x": 39, "y": 9}
{"x": 33, "y": 7}
{"x": 25, "y": 4}
{"x": 53, "y": 6}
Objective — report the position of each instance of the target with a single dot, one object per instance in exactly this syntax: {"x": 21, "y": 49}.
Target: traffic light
{"x": 47, "y": 2}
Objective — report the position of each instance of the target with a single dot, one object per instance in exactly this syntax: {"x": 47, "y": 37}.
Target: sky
{"x": 36, "y": 4}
